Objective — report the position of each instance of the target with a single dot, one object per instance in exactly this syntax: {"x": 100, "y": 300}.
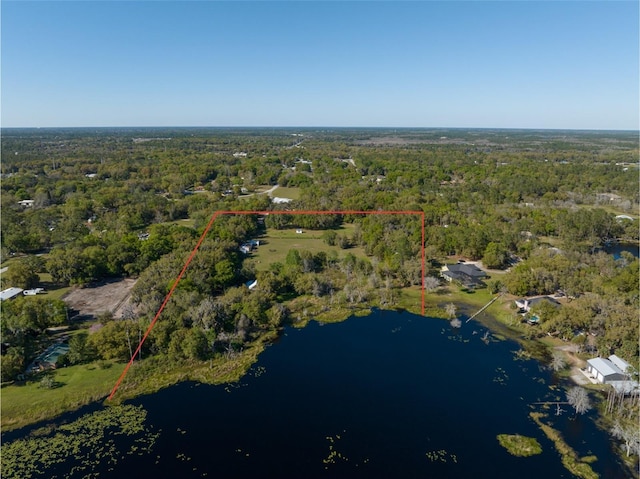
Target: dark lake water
{"x": 388, "y": 395}
{"x": 617, "y": 249}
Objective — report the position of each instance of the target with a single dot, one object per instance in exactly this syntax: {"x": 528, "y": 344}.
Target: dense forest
{"x": 82, "y": 205}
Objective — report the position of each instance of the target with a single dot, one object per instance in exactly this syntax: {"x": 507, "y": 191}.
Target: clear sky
{"x": 504, "y": 64}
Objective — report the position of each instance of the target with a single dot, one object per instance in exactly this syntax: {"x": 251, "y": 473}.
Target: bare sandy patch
{"x": 105, "y": 296}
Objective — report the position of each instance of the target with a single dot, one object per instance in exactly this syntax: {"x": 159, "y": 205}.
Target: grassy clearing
{"x": 452, "y": 294}
{"x": 609, "y": 209}
{"x": 577, "y": 466}
{"x": 520, "y": 446}
{"x": 75, "y": 386}
{"x": 275, "y": 245}
{"x": 8, "y": 262}
{"x": 285, "y": 192}
{"x": 188, "y": 222}
{"x": 53, "y": 291}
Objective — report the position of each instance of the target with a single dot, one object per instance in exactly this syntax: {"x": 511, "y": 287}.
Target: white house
{"x": 26, "y": 203}
{"x": 525, "y": 304}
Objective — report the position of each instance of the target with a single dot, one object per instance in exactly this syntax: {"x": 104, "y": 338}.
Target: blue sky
{"x": 505, "y": 64}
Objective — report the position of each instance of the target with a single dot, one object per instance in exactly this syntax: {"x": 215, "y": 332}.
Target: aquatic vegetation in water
{"x": 334, "y": 456}
{"x": 458, "y": 338}
{"x": 441, "y": 455}
{"x": 570, "y": 460}
{"x": 518, "y": 445}
{"x": 85, "y": 445}
{"x": 501, "y": 377}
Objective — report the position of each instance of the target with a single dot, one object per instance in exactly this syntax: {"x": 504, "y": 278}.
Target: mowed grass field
{"x": 285, "y": 192}
{"x": 275, "y": 245}
{"x": 75, "y": 386}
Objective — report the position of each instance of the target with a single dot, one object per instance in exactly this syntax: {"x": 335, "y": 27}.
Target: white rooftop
{"x": 605, "y": 366}
{"x": 619, "y": 362}
{"x": 9, "y": 293}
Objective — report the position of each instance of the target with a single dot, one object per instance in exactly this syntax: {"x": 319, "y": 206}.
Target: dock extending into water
{"x": 484, "y": 307}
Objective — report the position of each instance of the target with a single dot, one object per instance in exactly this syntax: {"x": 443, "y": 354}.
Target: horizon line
{"x": 354, "y": 127}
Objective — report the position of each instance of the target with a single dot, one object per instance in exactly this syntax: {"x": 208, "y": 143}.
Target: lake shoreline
{"x": 356, "y": 344}
{"x": 466, "y": 306}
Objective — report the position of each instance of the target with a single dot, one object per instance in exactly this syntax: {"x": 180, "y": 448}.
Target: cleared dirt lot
{"x": 100, "y": 297}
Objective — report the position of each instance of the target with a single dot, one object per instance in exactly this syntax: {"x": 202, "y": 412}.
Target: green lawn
{"x": 8, "y": 262}
{"x": 285, "y": 192}
{"x": 188, "y": 222}
{"x": 275, "y": 245}
{"x": 52, "y": 291}
{"x": 77, "y": 386}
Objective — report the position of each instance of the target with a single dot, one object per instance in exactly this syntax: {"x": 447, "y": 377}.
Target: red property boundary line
{"x": 265, "y": 213}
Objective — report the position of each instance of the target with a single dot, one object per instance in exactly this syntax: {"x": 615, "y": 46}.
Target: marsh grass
{"x": 520, "y": 446}
{"x": 578, "y": 466}
{"x": 157, "y": 373}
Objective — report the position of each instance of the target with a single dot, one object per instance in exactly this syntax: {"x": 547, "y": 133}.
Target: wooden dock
{"x": 484, "y": 307}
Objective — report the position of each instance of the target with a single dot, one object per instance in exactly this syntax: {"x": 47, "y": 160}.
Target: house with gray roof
{"x": 468, "y": 275}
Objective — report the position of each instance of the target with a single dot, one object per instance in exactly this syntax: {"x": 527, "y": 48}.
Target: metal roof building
{"x": 9, "y": 293}
{"x": 604, "y": 370}
{"x": 620, "y": 363}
